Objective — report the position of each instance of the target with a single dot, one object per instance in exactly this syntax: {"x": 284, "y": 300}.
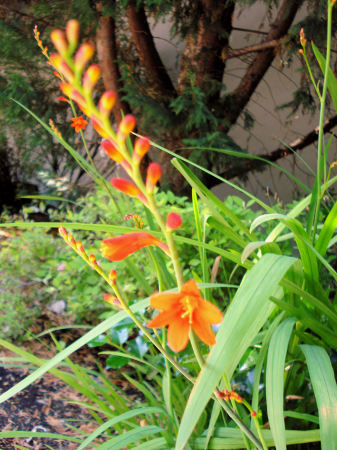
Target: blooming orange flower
{"x": 79, "y": 123}
{"x": 118, "y": 248}
{"x": 182, "y": 311}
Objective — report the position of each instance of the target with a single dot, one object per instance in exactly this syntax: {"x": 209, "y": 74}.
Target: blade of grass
{"x": 275, "y": 381}
{"x": 247, "y": 313}
{"x": 324, "y": 385}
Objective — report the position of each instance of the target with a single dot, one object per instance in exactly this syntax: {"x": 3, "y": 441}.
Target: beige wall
{"x": 271, "y": 127}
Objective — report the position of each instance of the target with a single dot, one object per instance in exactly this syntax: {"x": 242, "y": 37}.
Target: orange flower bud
{"x": 153, "y": 176}
{"x": 59, "y": 63}
{"x": 92, "y": 260}
{"x": 125, "y": 186}
{"x": 113, "y": 276}
{"x": 253, "y": 413}
{"x": 173, "y": 221}
{"x": 91, "y": 77}
{"x": 99, "y": 128}
{"x": 63, "y": 232}
{"x": 126, "y": 125}
{"x": 111, "y": 149}
{"x": 80, "y": 248}
{"x": 112, "y": 300}
{"x": 107, "y": 102}
{"x": 83, "y": 56}
{"x": 60, "y": 42}
{"x": 142, "y": 146}
{"x": 73, "y": 31}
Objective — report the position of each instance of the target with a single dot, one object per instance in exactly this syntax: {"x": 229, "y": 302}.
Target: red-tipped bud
{"x": 72, "y": 32}
{"x": 83, "y": 56}
{"x": 59, "y": 63}
{"x": 68, "y": 90}
{"x": 71, "y": 241}
{"x": 99, "y": 128}
{"x": 63, "y": 232}
{"x": 153, "y": 176}
{"x": 113, "y": 276}
{"x": 125, "y": 186}
{"x": 128, "y": 188}
{"x": 107, "y": 102}
{"x": 253, "y": 413}
{"x": 80, "y": 248}
{"x": 91, "y": 77}
{"x": 173, "y": 221}
{"x": 126, "y": 125}
{"x": 111, "y": 149}
{"x": 142, "y": 146}
{"x": 92, "y": 260}
{"x": 112, "y": 300}
{"x": 60, "y": 42}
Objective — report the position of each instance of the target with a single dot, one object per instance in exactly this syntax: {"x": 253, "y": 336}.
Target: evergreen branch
{"x": 21, "y": 13}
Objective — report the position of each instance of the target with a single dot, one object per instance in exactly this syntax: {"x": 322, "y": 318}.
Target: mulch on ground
{"x": 44, "y": 405}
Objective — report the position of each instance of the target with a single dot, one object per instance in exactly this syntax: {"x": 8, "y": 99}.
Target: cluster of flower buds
{"x": 78, "y": 84}
{"x": 229, "y": 395}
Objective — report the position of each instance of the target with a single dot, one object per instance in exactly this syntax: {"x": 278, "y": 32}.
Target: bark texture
{"x": 107, "y": 56}
{"x": 150, "y": 60}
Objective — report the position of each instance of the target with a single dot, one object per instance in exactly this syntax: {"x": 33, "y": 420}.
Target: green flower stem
{"x": 234, "y": 406}
{"x": 232, "y": 414}
{"x": 321, "y": 119}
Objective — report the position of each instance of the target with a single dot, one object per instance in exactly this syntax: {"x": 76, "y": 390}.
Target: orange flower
{"x": 79, "y": 123}
{"x": 118, "y": 248}
{"x": 182, "y": 311}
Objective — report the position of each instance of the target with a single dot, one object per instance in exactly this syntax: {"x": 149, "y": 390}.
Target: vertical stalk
{"x": 320, "y": 148}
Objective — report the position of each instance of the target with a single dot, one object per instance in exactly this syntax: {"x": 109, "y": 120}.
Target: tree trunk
{"x": 202, "y": 54}
{"x": 150, "y": 60}
{"x": 107, "y": 56}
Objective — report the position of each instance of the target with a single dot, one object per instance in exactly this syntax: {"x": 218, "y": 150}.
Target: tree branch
{"x": 236, "y": 101}
{"x": 107, "y": 57}
{"x": 148, "y": 55}
{"x": 227, "y": 54}
{"x": 281, "y": 152}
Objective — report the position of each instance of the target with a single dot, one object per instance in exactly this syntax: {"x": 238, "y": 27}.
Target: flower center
{"x": 188, "y": 304}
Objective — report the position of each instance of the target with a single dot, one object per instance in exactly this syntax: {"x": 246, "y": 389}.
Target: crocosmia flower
{"x": 79, "y": 123}
{"x": 118, "y": 248}
{"x": 182, "y": 311}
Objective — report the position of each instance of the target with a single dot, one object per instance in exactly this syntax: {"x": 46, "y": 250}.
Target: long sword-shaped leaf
{"x": 325, "y": 390}
{"x": 92, "y": 334}
{"x": 274, "y": 381}
{"x": 230, "y": 438}
{"x": 245, "y": 316}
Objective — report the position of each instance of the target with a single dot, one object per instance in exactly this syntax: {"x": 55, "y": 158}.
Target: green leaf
{"x": 275, "y": 381}
{"x": 331, "y": 80}
{"x": 231, "y": 438}
{"x": 247, "y": 313}
{"x": 324, "y": 385}
{"x": 327, "y": 231}
{"x": 129, "y": 437}
{"x": 122, "y": 417}
{"x": 92, "y": 334}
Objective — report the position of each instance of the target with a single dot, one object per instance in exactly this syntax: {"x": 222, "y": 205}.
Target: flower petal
{"x": 162, "y": 319}
{"x": 125, "y": 186}
{"x": 203, "y": 330}
{"x": 209, "y": 312}
{"x": 118, "y": 248}
{"x": 190, "y": 288}
{"x": 178, "y": 334}
{"x": 164, "y": 300}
